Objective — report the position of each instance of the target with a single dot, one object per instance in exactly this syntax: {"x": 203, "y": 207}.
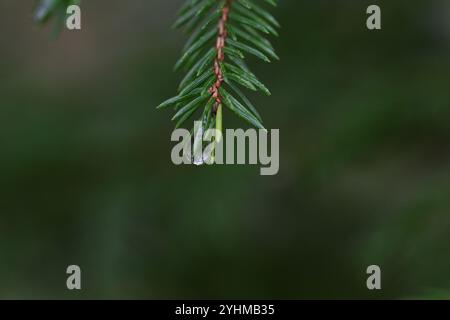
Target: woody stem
{"x": 220, "y": 45}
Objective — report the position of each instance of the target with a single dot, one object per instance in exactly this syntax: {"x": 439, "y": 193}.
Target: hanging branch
{"x": 222, "y": 32}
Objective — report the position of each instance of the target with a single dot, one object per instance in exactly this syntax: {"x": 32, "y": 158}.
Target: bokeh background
{"x": 86, "y": 176}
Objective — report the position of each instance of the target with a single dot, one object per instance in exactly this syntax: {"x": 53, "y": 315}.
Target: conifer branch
{"x": 222, "y": 33}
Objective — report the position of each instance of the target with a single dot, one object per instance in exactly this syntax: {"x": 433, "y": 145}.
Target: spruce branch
{"x": 222, "y": 33}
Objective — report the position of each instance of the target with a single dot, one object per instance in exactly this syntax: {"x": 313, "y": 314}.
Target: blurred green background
{"x": 86, "y": 176}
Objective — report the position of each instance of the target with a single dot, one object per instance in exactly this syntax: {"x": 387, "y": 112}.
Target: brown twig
{"x": 220, "y": 45}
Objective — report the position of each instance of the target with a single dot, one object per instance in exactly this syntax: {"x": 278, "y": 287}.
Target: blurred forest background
{"x": 86, "y": 176}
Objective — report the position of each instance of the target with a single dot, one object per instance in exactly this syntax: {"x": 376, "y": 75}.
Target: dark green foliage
{"x": 247, "y": 26}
